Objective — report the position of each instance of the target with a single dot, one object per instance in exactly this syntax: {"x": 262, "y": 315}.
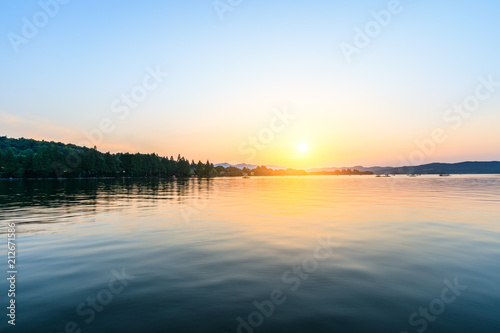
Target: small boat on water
{"x": 383, "y": 176}
{"x": 245, "y": 177}
{"x": 444, "y": 175}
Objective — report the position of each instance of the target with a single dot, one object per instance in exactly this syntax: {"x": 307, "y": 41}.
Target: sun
{"x": 302, "y": 147}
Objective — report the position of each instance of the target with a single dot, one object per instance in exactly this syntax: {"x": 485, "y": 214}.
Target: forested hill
{"x": 30, "y": 158}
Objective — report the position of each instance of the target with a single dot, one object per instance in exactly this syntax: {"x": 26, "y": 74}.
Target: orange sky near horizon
{"x": 275, "y": 143}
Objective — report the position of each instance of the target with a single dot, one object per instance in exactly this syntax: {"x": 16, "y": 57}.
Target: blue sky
{"x": 226, "y": 77}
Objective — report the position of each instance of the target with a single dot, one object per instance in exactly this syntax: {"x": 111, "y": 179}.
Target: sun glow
{"x": 302, "y": 147}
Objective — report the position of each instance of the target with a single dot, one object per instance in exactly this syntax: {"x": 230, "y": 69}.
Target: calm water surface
{"x": 335, "y": 254}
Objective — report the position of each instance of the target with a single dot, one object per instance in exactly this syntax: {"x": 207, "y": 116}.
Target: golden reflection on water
{"x": 291, "y": 209}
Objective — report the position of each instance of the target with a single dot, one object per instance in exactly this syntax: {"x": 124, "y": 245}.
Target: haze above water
{"x": 202, "y": 251}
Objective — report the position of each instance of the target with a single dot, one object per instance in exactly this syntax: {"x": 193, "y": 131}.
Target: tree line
{"x": 28, "y": 158}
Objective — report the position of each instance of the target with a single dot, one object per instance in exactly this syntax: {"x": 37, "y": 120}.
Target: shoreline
{"x": 186, "y": 178}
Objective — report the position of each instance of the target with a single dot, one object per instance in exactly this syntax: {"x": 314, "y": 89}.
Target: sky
{"x": 299, "y": 84}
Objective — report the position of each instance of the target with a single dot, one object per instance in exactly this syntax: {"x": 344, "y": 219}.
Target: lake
{"x": 265, "y": 254}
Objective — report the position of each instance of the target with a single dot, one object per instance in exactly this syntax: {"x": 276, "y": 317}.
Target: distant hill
{"x": 249, "y": 166}
{"x": 225, "y": 165}
{"x": 358, "y": 167}
{"x": 432, "y": 168}
{"x": 447, "y": 168}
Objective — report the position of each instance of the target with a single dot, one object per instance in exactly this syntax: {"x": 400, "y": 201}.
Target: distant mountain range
{"x": 249, "y": 166}
{"x": 432, "y": 168}
{"x": 447, "y": 168}
{"x": 358, "y": 167}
